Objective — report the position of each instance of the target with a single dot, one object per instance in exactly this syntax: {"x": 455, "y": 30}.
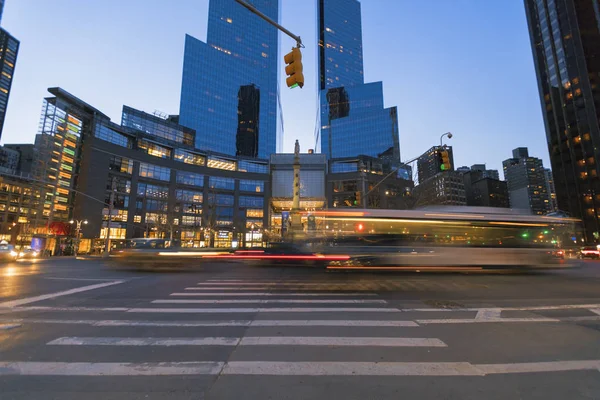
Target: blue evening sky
{"x": 463, "y": 66}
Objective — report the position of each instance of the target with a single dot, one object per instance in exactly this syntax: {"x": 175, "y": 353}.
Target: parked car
{"x": 8, "y": 252}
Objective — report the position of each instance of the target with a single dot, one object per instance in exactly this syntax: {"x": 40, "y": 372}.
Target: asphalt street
{"x": 79, "y": 329}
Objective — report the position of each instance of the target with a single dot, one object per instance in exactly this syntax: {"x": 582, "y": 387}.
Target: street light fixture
{"x": 449, "y": 134}
{"x": 78, "y": 230}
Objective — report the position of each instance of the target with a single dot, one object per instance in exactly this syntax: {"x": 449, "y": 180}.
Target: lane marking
{"x": 6, "y": 327}
{"x": 489, "y": 314}
{"x": 595, "y": 310}
{"x": 80, "y": 279}
{"x": 27, "y": 300}
{"x": 340, "y": 341}
{"x": 269, "y": 368}
{"x": 478, "y": 321}
{"x": 47, "y": 308}
{"x": 271, "y": 294}
{"x": 146, "y": 341}
{"x": 110, "y": 369}
{"x": 260, "y": 310}
{"x": 268, "y": 301}
{"x": 231, "y": 323}
{"x": 350, "y": 368}
{"x": 250, "y": 341}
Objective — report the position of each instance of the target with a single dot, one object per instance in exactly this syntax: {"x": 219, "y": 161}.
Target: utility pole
{"x": 361, "y": 168}
{"x": 110, "y": 210}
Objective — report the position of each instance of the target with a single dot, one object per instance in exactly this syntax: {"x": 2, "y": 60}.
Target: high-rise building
{"x": 9, "y": 160}
{"x": 9, "y": 48}
{"x": 353, "y": 119}
{"x": 229, "y": 91}
{"x": 26, "y": 152}
{"x": 444, "y": 188}
{"x": 565, "y": 39}
{"x": 1, "y": 9}
{"x": 550, "y": 188}
{"x": 428, "y": 164}
{"x": 486, "y": 173}
{"x": 526, "y": 181}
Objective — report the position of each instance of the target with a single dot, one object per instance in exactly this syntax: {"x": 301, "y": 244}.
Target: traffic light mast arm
{"x": 269, "y": 20}
{"x": 402, "y": 164}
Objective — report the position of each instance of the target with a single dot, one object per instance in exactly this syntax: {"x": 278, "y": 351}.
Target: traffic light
{"x": 357, "y": 199}
{"x": 444, "y": 160}
{"x": 294, "y": 68}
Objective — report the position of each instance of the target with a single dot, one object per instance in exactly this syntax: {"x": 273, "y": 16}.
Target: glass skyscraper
{"x": 353, "y": 120}
{"x": 565, "y": 39}
{"x": 9, "y": 48}
{"x": 230, "y": 83}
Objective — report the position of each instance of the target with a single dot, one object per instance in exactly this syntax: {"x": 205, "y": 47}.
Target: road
{"x": 76, "y": 329}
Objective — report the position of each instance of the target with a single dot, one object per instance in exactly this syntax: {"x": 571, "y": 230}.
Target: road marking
{"x": 339, "y": 341}
{"x": 6, "y": 327}
{"x": 249, "y": 341}
{"x": 477, "y": 321}
{"x": 109, "y": 369}
{"x": 271, "y": 294}
{"x": 259, "y": 310}
{"x": 272, "y": 368}
{"x": 269, "y": 301}
{"x": 146, "y": 341}
{"x": 46, "y": 308}
{"x": 80, "y": 279}
{"x": 350, "y": 368}
{"x": 250, "y": 323}
{"x": 595, "y": 310}
{"x": 263, "y": 288}
{"x": 486, "y": 315}
{"x": 523, "y": 308}
{"x": 269, "y": 283}
{"x": 27, "y": 300}
{"x": 552, "y": 366}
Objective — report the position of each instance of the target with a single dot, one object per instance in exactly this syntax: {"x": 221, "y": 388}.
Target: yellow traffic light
{"x": 294, "y": 68}
{"x": 444, "y": 160}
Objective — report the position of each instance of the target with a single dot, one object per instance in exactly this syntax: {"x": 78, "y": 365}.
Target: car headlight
{"x": 21, "y": 254}
{"x": 14, "y": 253}
{"x": 35, "y": 253}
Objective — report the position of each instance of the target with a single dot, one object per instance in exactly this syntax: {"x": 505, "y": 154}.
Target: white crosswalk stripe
{"x": 268, "y": 301}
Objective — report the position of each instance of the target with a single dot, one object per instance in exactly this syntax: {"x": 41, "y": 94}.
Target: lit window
{"x": 229, "y": 20}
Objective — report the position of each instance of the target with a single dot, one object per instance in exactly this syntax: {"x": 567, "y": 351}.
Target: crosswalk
{"x": 279, "y": 328}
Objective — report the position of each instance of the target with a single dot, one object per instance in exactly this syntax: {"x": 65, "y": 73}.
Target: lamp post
{"x": 78, "y": 223}
{"x": 449, "y": 134}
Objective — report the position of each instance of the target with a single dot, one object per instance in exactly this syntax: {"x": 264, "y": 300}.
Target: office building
{"x": 487, "y": 192}
{"x": 369, "y": 182}
{"x": 428, "y": 164}
{"x": 444, "y": 188}
{"x": 162, "y": 185}
{"x": 526, "y": 181}
{"x": 9, "y": 160}
{"x": 9, "y": 48}
{"x": 353, "y": 118}
{"x": 486, "y": 173}
{"x": 25, "y": 159}
{"x": 229, "y": 90}
{"x": 550, "y": 188}
{"x": 1, "y": 9}
{"x": 565, "y": 39}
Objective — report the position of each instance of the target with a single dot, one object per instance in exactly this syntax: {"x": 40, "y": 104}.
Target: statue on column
{"x": 297, "y": 148}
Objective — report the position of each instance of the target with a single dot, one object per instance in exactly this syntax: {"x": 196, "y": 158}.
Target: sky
{"x": 460, "y": 66}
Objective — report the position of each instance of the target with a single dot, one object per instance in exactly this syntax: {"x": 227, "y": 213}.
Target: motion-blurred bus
{"x": 446, "y": 237}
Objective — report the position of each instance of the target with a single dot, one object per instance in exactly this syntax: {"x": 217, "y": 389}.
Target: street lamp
{"x": 78, "y": 229}
{"x": 449, "y": 134}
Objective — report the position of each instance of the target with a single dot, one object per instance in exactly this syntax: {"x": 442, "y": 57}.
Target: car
{"x": 28, "y": 254}
{"x": 8, "y": 252}
{"x": 589, "y": 252}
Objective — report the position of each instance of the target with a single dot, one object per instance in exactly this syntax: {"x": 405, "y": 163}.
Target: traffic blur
{"x": 433, "y": 239}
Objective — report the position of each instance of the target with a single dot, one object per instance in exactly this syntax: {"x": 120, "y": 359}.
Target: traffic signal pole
{"x": 269, "y": 20}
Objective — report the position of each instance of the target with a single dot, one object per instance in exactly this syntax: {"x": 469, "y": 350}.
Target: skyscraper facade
{"x": 551, "y": 190}
{"x": 565, "y": 39}
{"x": 526, "y": 179}
{"x": 353, "y": 119}
{"x": 9, "y": 48}
{"x": 230, "y": 83}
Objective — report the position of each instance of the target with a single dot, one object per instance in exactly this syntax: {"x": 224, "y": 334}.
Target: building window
{"x": 221, "y": 163}
{"x": 254, "y": 213}
{"x": 137, "y": 219}
{"x": 251, "y": 202}
{"x": 252, "y": 186}
{"x": 222, "y": 183}
{"x": 191, "y": 220}
{"x": 156, "y": 205}
{"x": 149, "y": 190}
{"x": 189, "y": 178}
{"x": 154, "y": 149}
{"x": 105, "y": 133}
{"x": 117, "y": 215}
{"x": 189, "y": 196}
{"x": 122, "y": 185}
{"x": 188, "y": 157}
{"x": 115, "y": 233}
{"x": 120, "y": 164}
{"x": 221, "y": 199}
{"x": 155, "y": 172}
{"x": 249, "y": 166}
